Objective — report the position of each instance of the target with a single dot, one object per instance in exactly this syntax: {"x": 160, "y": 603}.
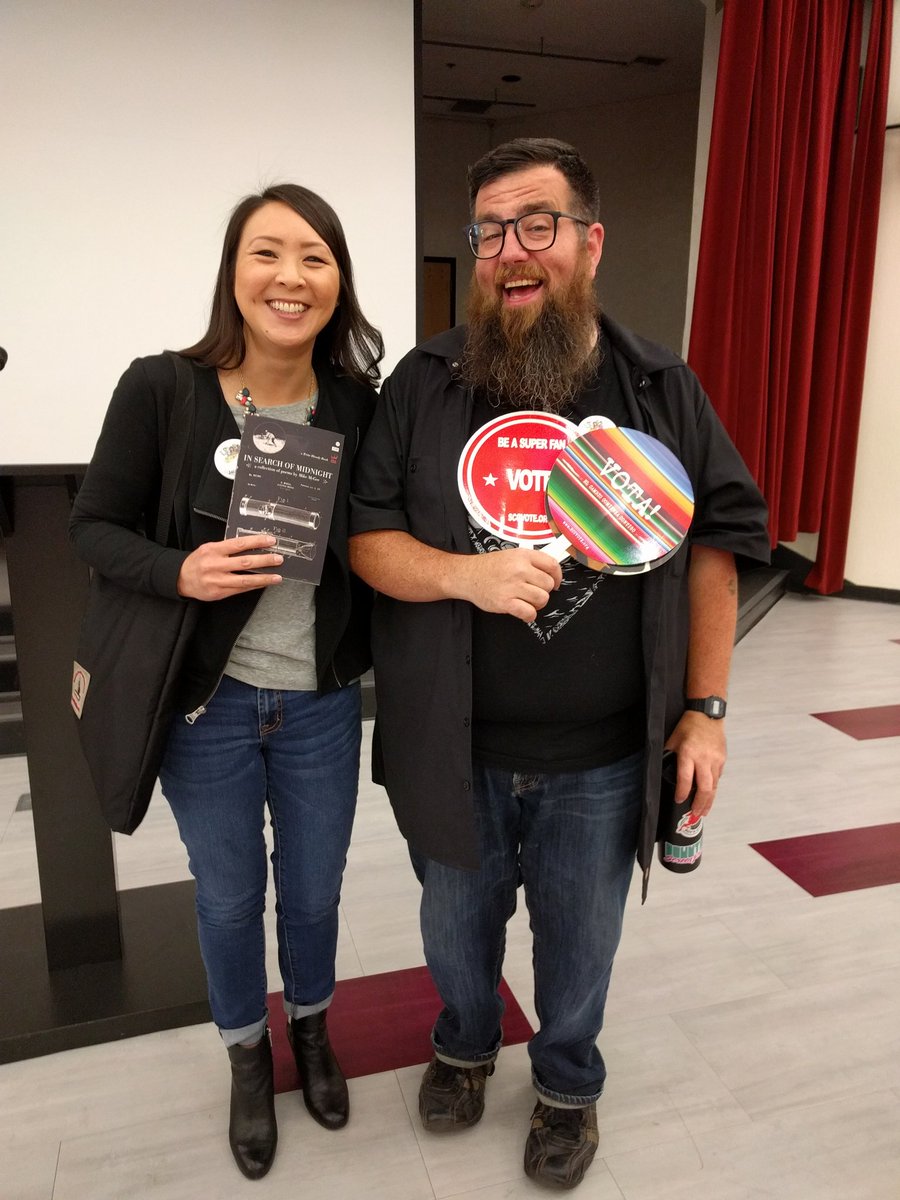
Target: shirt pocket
{"x": 424, "y": 501}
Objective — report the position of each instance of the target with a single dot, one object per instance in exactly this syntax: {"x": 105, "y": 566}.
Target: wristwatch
{"x": 711, "y": 706}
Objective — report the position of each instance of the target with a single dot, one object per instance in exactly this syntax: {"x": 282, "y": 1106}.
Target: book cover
{"x": 285, "y": 484}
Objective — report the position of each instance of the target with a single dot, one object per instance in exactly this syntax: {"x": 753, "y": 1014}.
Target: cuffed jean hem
{"x": 295, "y": 1011}
{"x": 466, "y": 1063}
{"x": 248, "y": 1033}
{"x": 476, "y": 1060}
{"x": 561, "y": 1099}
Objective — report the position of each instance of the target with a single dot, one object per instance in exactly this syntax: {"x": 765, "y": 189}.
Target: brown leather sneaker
{"x": 452, "y": 1097}
{"x": 561, "y": 1144}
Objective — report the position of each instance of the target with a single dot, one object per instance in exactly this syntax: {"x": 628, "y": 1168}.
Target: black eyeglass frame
{"x": 514, "y": 221}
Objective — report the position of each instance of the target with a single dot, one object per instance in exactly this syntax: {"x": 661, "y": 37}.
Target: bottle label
{"x": 689, "y": 826}
{"x": 682, "y": 856}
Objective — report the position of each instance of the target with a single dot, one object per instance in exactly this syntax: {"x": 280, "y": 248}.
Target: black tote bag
{"x": 130, "y": 653}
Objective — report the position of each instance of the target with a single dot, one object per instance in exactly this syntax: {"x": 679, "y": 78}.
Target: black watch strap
{"x": 710, "y": 706}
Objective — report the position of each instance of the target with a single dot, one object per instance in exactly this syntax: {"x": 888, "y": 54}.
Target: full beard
{"x": 536, "y": 356}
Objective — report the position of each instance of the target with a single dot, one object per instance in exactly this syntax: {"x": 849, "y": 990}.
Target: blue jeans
{"x": 296, "y": 753}
{"x": 571, "y": 840}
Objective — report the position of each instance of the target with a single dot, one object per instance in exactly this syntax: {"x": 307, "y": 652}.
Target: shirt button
{"x": 468, "y": 659}
{"x": 466, "y": 785}
{"x": 466, "y": 722}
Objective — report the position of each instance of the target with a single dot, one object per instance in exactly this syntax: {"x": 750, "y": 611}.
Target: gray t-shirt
{"x": 277, "y": 647}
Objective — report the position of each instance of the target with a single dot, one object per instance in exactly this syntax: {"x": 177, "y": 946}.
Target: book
{"x": 284, "y": 484}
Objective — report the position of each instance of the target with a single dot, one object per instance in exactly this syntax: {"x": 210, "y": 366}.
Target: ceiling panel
{"x": 471, "y": 44}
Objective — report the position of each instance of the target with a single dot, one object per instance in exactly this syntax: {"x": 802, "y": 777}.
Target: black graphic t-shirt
{"x": 566, "y": 692}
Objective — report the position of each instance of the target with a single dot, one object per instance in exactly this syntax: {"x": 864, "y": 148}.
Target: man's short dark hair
{"x": 522, "y": 153}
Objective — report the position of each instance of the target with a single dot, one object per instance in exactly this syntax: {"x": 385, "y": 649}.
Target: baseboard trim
{"x": 798, "y": 568}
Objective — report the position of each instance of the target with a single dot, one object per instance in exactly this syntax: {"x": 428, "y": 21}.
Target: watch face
{"x": 710, "y": 706}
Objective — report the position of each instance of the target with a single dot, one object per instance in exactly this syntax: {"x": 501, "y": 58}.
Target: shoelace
{"x": 564, "y": 1121}
{"x": 447, "y": 1073}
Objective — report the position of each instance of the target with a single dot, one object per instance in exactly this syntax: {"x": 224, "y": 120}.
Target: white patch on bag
{"x": 81, "y": 681}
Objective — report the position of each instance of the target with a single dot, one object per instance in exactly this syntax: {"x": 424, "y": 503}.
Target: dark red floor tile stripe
{"x": 846, "y": 860}
{"x": 381, "y": 1023}
{"x": 865, "y": 723}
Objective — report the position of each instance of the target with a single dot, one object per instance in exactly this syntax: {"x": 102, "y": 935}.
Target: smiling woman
{"x": 278, "y": 247}
{"x": 286, "y": 284}
{"x": 267, "y": 710}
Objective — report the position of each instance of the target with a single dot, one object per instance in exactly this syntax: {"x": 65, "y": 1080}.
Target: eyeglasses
{"x": 534, "y": 231}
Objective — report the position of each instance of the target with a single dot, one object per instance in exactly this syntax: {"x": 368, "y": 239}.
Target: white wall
{"x": 711, "y": 38}
{"x": 129, "y": 131}
{"x": 873, "y": 558}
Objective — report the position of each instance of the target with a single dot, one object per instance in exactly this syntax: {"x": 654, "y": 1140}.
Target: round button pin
{"x": 226, "y": 457}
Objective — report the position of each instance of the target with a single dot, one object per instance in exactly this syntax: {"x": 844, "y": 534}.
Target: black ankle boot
{"x": 322, "y": 1080}
{"x": 252, "y": 1132}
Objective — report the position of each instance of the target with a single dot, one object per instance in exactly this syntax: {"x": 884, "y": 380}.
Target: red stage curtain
{"x": 784, "y": 277}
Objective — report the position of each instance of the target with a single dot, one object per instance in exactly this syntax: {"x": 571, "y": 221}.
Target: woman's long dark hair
{"x": 349, "y": 342}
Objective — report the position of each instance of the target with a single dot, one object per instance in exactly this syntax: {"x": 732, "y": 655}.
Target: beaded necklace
{"x": 243, "y": 397}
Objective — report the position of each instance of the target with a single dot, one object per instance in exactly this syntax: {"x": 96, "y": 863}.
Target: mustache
{"x": 527, "y": 270}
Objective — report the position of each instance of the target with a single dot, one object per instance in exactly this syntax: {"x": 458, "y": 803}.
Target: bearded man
{"x": 523, "y": 708}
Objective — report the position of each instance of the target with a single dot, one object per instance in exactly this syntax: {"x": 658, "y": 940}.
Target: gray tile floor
{"x": 752, "y": 1035}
